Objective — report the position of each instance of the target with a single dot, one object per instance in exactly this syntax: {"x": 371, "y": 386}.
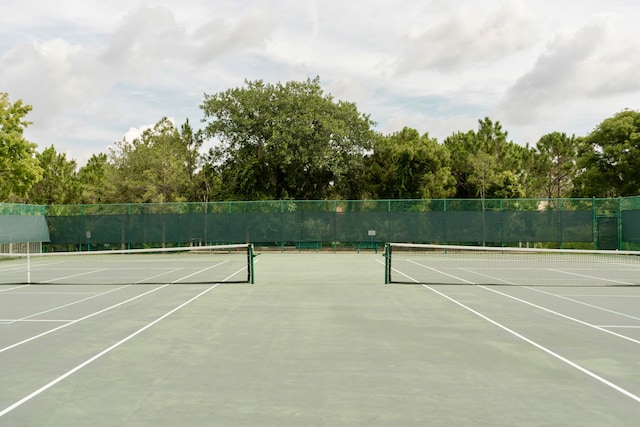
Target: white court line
{"x": 619, "y": 326}
{"x": 70, "y": 304}
{"x": 541, "y": 347}
{"x": 439, "y": 272}
{"x": 490, "y": 277}
{"x": 602, "y": 329}
{"x": 564, "y": 316}
{"x": 81, "y": 319}
{"x": 87, "y": 299}
{"x": 116, "y": 345}
{"x": 53, "y": 293}
{"x": 584, "y": 303}
{"x": 600, "y": 279}
{"x": 15, "y": 287}
{"x": 74, "y": 275}
{"x": 602, "y": 296}
{"x": 10, "y": 321}
{"x": 99, "y": 312}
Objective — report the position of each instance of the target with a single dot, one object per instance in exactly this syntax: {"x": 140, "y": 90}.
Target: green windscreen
{"x": 20, "y": 229}
{"x": 276, "y": 222}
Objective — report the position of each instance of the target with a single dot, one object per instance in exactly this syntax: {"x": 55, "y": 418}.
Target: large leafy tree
{"x": 609, "y": 158}
{"x": 19, "y": 168}
{"x": 59, "y": 183}
{"x": 405, "y": 165}
{"x": 286, "y": 141}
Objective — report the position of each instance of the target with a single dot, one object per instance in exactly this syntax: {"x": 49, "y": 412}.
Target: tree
{"x": 97, "y": 180}
{"x": 19, "y": 169}
{"x": 287, "y": 141}
{"x": 609, "y": 158}
{"x": 190, "y": 143}
{"x": 486, "y": 165}
{"x": 59, "y": 183}
{"x": 483, "y": 172}
{"x": 555, "y": 164}
{"x": 154, "y": 167}
{"x": 407, "y": 165}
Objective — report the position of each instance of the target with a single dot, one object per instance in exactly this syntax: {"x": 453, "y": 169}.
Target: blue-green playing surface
{"x": 318, "y": 340}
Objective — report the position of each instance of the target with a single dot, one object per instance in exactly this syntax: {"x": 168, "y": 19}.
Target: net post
{"x": 387, "y": 263}
{"x": 251, "y": 257}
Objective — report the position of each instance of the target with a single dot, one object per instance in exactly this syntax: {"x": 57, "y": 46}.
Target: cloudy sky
{"x": 98, "y": 71}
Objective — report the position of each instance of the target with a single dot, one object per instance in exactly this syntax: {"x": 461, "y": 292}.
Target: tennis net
{"x": 198, "y": 264}
{"x": 473, "y": 265}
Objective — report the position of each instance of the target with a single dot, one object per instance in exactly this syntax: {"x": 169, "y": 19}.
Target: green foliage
{"x": 59, "y": 183}
{"x": 486, "y": 165}
{"x": 157, "y": 167}
{"x": 97, "y": 180}
{"x": 609, "y": 158}
{"x": 555, "y": 165}
{"x": 292, "y": 141}
{"x": 19, "y": 169}
{"x": 406, "y": 165}
{"x": 286, "y": 141}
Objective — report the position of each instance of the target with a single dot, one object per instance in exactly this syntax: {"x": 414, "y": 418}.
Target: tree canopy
{"x": 19, "y": 168}
{"x": 486, "y": 164}
{"x": 609, "y": 158}
{"x": 293, "y": 141}
{"x": 59, "y": 183}
{"x": 406, "y": 165}
{"x": 156, "y": 167}
{"x": 286, "y": 141}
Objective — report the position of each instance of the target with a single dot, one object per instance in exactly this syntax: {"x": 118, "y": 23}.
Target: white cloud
{"x": 592, "y": 62}
{"x": 53, "y": 73}
{"x": 470, "y": 33}
{"x": 93, "y": 70}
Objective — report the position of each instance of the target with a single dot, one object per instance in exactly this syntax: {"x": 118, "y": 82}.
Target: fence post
{"x": 594, "y": 222}
{"x": 619, "y": 228}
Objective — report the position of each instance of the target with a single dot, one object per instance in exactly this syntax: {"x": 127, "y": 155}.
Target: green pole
{"x": 389, "y": 221}
{"x": 128, "y": 225}
{"x": 594, "y": 223}
{"x": 251, "y": 269}
{"x": 387, "y": 263}
{"x": 560, "y": 223}
{"x": 444, "y": 220}
{"x": 619, "y": 228}
{"x": 335, "y": 226}
{"x": 502, "y": 223}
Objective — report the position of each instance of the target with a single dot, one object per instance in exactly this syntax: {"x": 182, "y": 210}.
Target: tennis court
{"x": 319, "y": 339}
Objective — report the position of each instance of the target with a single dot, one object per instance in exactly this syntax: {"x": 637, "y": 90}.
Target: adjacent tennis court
{"x": 319, "y": 339}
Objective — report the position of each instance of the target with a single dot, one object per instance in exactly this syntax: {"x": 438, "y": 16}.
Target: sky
{"x": 96, "y": 72}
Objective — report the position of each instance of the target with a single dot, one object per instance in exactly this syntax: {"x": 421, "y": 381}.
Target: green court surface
{"x": 318, "y": 340}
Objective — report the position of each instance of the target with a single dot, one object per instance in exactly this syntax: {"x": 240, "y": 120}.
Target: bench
{"x": 367, "y": 245}
{"x": 308, "y": 245}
